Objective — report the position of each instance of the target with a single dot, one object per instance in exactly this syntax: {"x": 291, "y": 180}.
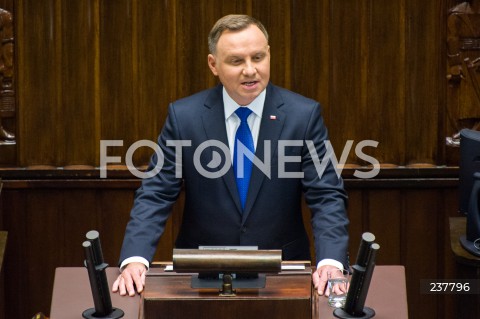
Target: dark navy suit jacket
{"x": 272, "y": 218}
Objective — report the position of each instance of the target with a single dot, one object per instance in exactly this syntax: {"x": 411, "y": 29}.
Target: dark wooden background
{"x": 91, "y": 70}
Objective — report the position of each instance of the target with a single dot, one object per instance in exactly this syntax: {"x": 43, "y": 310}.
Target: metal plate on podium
{"x": 287, "y": 294}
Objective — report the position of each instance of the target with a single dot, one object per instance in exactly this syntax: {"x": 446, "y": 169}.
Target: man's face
{"x": 242, "y": 63}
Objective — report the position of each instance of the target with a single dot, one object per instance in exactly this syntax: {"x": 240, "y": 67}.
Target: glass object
{"x": 338, "y": 283}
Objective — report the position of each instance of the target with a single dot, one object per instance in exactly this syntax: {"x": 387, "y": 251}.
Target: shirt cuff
{"x": 135, "y": 259}
{"x": 330, "y": 262}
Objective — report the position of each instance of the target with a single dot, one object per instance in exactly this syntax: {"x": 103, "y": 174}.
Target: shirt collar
{"x": 231, "y": 106}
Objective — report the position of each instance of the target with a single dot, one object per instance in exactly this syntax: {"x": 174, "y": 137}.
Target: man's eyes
{"x": 256, "y": 58}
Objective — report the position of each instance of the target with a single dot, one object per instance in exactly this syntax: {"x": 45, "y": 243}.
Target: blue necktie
{"x": 244, "y": 136}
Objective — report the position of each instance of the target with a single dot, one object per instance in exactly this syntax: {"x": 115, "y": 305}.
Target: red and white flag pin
{"x": 273, "y": 117}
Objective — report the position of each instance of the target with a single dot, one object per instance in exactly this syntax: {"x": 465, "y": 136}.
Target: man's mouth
{"x": 250, "y": 83}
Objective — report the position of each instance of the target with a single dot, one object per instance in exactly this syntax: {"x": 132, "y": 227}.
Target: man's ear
{"x": 212, "y": 64}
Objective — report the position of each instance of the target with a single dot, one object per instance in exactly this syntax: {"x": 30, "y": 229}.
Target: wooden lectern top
{"x": 387, "y": 295}
{"x": 72, "y": 295}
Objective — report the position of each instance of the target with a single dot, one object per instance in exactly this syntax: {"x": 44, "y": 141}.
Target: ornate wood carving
{"x": 7, "y": 93}
{"x": 463, "y": 54}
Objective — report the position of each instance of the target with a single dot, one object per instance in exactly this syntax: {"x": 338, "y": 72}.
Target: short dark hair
{"x": 232, "y": 22}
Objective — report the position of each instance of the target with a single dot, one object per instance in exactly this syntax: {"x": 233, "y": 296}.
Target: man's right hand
{"x": 132, "y": 276}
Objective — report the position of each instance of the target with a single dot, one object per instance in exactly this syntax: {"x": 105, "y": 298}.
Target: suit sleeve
{"x": 154, "y": 199}
{"x": 324, "y": 194}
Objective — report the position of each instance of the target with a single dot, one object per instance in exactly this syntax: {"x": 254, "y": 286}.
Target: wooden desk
{"x": 387, "y": 295}
{"x": 72, "y": 295}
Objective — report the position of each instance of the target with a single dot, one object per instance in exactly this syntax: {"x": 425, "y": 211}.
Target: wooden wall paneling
{"x": 2, "y": 278}
{"x": 386, "y": 80}
{"x": 384, "y": 218}
{"x": 277, "y": 19}
{"x": 442, "y": 129}
{"x": 39, "y": 81}
{"x": 43, "y": 219}
{"x": 29, "y": 259}
{"x": 49, "y": 235}
{"x": 442, "y": 158}
{"x": 232, "y": 7}
{"x": 347, "y": 108}
{"x": 310, "y": 22}
{"x": 79, "y": 87}
{"x": 424, "y": 81}
{"x": 80, "y": 214}
{"x": 1, "y": 204}
{"x": 118, "y": 117}
{"x": 156, "y": 61}
{"x": 422, "y": 257}
{"x": 370, "y": 67}
{"x": 193, "y": 22}
{"x": 14, "y": 219}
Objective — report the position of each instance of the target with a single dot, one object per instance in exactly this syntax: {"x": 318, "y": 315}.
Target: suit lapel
{"x": 213, "y": 119}
{"x": 271, "y": 127}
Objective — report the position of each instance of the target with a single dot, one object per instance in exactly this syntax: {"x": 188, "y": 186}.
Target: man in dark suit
{"x": 225, "y": 204}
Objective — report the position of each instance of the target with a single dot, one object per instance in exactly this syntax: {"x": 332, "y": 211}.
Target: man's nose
{"x": 249, "y": 69}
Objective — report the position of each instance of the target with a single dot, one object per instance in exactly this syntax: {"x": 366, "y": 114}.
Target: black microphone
{"x": 360, "y": 282}
{"x": 98, "y": 280}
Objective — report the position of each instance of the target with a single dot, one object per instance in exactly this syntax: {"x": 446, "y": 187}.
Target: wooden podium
{"x": 72, "y": 295}
{"x": 286, "y": 295}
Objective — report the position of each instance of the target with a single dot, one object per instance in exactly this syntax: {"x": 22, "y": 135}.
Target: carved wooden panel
{"x": 7, "y": 89}
{"x": 463, "y": 56}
